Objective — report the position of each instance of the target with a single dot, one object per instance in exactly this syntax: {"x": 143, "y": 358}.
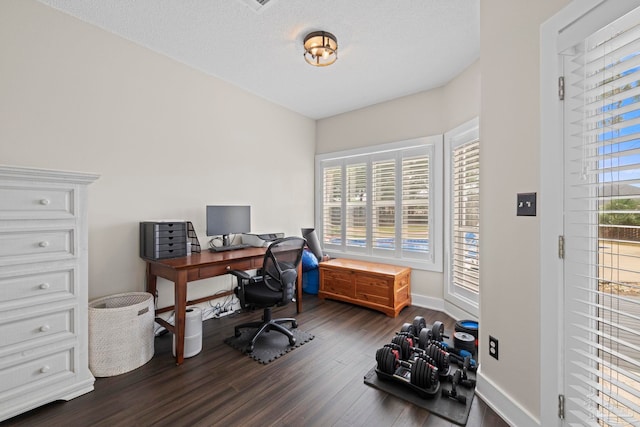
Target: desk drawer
{"x": 217, "y": 270}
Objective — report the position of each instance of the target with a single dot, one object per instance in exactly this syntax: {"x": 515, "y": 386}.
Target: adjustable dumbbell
{"x": 419, "y": 372}
{"x": 434, "y": 350}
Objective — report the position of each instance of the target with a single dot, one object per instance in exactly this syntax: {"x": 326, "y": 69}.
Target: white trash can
{"x": 121, "y": 336}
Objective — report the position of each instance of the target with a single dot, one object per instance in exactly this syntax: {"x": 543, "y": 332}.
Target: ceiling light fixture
{"x": 320, "y": 48}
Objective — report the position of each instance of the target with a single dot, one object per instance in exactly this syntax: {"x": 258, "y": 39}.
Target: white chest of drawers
{"x": 43, "y": 288}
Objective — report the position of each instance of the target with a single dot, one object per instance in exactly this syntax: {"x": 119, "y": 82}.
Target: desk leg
{"x": 299, "y": 289}
{"x": 152, "y": 281}
{"x": 180, "y": 292}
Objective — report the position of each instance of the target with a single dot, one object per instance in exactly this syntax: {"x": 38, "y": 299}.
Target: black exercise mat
{"x": 270, "y": 345}
{"x": 442, "y": 406}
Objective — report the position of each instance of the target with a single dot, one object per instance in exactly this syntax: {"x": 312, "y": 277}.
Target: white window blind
{"x": 415, "y": 202}
{"x": 466, "y": 216}
{"x": 383, "y": 204}
{"x": 332, "y": 203}
{"x": 386, "y": 211}
{"x": 462, "y": 245}
{"x": 356, "y": 198}
{"x": 602, "y": 263}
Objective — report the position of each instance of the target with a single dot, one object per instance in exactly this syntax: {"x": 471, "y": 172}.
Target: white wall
{"x": 424, "y": 114}
{"x": 166, "y": 139}
{"x": 510, "y": 163}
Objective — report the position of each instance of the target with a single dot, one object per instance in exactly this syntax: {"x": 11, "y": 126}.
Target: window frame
{"x": 433, "y": 146}
{"x": 453, "y": 293}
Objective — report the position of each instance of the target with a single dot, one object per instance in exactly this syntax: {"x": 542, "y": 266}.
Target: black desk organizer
{"x": 159, "y": 240}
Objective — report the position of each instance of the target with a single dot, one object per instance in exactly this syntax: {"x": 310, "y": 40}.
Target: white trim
{"x": 551, "y": 220}
{"x": 463, "y": 134}
{"x": 499, "y": 401}
{"x": 438, "y": 304}
{"x": 425, "y": 301}
{"x": 380, "y": 148}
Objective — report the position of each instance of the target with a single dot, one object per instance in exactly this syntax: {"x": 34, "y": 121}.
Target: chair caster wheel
{"x": 237, "y": 334}
{"x": 250, "y": 349}
{"x": 292, "y": 342}
{"x": 294, "y": 325}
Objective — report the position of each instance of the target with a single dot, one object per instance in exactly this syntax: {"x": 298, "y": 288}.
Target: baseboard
{"x": 427, "y": 302}
{"x": 511, "y": 412}
{"x": 439, "y": 304}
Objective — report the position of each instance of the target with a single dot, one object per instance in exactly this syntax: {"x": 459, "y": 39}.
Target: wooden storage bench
{"x": 382, "y": 287}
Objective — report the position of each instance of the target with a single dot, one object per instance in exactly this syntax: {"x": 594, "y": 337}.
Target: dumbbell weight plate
{"x": 386, "y": 360}
{"x": 424, "y": 337}
{"x": 405, "y": 346}
{"x": 408, "y": 327}
{"x": 464, "y": 341}
{"x": 418, "y": 324}
{"x": 437, "y": 331}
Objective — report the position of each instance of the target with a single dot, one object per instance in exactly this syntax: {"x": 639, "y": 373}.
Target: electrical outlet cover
{"x": 493, "y": 347}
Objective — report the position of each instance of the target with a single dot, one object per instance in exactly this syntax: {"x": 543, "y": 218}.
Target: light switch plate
{"x": 526, "y": 204}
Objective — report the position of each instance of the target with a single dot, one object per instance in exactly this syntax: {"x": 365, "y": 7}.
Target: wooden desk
{"x": 194, "y": 267}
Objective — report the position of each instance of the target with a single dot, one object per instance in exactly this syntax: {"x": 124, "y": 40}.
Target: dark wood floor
{"x": 319, "y": 383}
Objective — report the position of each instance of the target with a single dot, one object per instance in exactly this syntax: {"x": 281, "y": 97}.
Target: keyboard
{"x": 228, "y": 248}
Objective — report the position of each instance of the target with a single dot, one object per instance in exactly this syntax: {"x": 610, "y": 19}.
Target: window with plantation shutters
{"x": 602, "y": 226}
{"x": 462, "y": 175}
{"x": 332, "y": 203}
{"x": 386, "y": 212}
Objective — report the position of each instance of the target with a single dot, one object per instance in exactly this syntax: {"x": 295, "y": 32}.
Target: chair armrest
{"x": 241, "y": 275}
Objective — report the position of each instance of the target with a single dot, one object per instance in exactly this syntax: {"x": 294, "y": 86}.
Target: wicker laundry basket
{"x": 120, "y": 333}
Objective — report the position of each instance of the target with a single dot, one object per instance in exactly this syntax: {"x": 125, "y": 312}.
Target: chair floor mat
{"x": 270, "y": 345}
{"x": 442, "y": 406}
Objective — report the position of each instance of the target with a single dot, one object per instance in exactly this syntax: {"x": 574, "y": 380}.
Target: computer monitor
{"x": 226, "y": 220}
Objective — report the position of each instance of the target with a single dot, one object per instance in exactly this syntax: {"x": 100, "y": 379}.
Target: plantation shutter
{"x": 332, "y": 204}
{"x": 415, "y": 202}
{"x": 466, "y": 215}
{"x": 602, "y": 220}
{"x": 356, "y": 200}
{"x": 383, "y": 204}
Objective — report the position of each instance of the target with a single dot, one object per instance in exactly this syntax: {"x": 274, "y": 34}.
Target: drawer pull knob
{"x": 228, "y": 267}
{"x": 44, "y": 202}
{"x": 44, "y": 328}
{"x": 45, "y": 286}
{"x": 43, "y": 244}
{"x": 45, "y": 369}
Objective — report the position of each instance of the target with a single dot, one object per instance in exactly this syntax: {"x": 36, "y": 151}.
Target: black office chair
{"x": 275, "y": 287}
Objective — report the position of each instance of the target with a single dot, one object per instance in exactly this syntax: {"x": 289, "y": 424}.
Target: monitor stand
{"x": 226, "y": 246}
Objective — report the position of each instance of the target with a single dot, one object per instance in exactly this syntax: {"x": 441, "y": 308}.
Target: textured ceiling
{"x": 386, "y": 48}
